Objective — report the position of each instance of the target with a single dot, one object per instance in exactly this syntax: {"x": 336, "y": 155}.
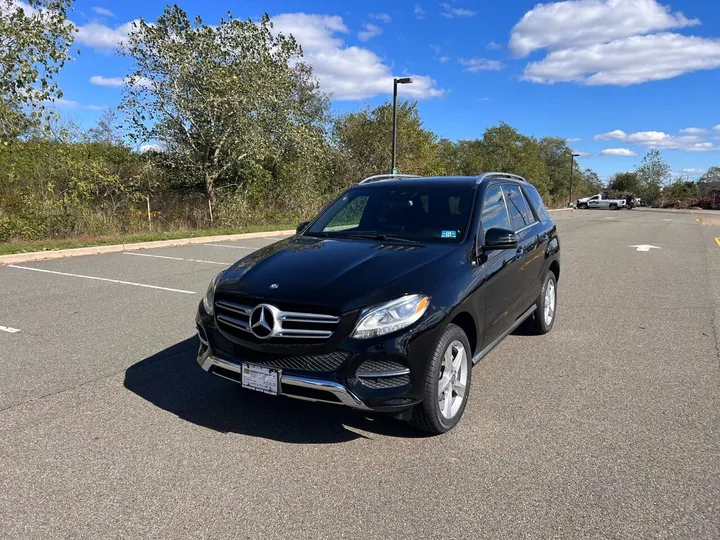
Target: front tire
{"x": 447, "y": 384}
{"x": 544, "y": 316}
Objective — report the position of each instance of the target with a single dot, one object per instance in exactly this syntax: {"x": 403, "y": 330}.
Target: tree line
{"x": 235, "y": 127}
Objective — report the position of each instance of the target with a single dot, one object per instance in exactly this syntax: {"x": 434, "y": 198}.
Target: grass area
{"x": 25, "y": 246}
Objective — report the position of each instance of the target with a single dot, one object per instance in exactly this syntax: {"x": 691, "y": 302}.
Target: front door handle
{"x": 544, "y": 238}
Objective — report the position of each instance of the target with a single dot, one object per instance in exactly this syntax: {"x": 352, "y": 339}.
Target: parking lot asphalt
{"x": 608, "y": 427}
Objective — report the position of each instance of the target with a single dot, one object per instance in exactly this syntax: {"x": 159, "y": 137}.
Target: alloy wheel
{"x": 452, "y": 383}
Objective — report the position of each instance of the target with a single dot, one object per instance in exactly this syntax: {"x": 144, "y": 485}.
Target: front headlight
{"x": 391, "y": 316}
{"x": 209, "y": 298}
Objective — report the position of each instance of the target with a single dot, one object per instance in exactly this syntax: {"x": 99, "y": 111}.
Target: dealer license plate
{"x": 261, "y": 379}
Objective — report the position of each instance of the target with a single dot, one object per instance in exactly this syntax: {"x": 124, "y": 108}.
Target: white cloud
{"x": 660, "y": 140}
{"x": 369, "y": 31}
{"x": 443, "y": 59}
{"x": 694, "y": 131}
{"x": 151, "y": 148}
{"x": 624, "y": 152}
{"x": 627, "y": 61}
{"x": 103, "y": 11}
{"x": 419, "y": 12}
{"x": 450, "y": 12}
{"x": 693, "y": 172}
{"x": 580, "y": 23}
{"x": 102, "y": 37}
{"x": 117, "y": 82}
{"x": 717, "y": 128}
{"x": 383, "y": 17}
{"x": 95, "y": 107}
{"x": 99, "y": 80}
{"x": 618, "y": 134}
{"x": 475, "y": 65}
{"x": 581, "y": 153}
{"x": 573, "y": 139}
{"x": 349, "y": 73}
{"x": 493, "y": 46}
{"x": 62, "y": 103}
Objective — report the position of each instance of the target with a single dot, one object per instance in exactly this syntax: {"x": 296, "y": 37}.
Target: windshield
{"x": 433, "y": 213}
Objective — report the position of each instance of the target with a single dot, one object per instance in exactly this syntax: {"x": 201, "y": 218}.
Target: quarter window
{"x": 494, "y": 212}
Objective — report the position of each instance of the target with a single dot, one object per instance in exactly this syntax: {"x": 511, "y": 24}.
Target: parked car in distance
{"x": 600, "y": 200}
{"x": 386, "y": 300}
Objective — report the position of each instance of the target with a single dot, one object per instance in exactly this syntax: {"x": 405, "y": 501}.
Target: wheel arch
{"x": 468, "y": 325}
{"x": 555, "y": 269}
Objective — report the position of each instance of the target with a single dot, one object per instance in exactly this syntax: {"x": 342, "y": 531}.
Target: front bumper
{"x": 290, "y": 385}
{"x": 352, "y": 380}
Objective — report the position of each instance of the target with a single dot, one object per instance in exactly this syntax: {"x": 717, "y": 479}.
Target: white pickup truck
{"x": 601, "y": 200}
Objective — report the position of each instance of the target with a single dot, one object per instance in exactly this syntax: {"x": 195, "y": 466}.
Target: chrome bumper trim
{"x": 345, "y": 396}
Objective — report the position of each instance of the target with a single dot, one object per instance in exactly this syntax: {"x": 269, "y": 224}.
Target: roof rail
{"x": 510, "y": 176}
{"x": 387, "y": 176}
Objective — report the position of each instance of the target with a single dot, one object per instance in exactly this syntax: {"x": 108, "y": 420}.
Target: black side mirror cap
{"x": 500, "y": 239}
{"x": 302, "y": 226}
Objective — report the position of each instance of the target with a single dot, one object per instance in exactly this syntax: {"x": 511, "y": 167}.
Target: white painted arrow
{"x": 645, "y": 247}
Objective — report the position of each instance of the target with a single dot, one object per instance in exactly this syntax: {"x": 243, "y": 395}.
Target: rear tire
{"x": 613, "y": 207}
{"x": 544, "y": 316}
{"x": 447, "y": 384}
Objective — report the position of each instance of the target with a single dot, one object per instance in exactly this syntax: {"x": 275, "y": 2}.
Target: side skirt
{"x": 479, "y": 356}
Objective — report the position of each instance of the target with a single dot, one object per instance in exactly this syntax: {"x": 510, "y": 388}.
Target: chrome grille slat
{"x": 235, "y": 308}
{"x": 292, "y": 316}
{"x": 235, "y": 323}
{"x": 292, "y": 332}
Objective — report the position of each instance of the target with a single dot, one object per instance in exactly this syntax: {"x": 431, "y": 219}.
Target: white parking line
{"x": 174, "y": 258}
{"x": 8, "y": 329}
{"x": 233, "y": 247}
{"x": 100, "y": 279}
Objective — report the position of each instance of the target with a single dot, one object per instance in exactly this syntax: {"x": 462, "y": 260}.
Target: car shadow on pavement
{"x": 172, "y": 380}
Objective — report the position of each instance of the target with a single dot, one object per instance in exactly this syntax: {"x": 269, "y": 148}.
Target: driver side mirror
{"x": 500, "y": 239}
{"x": 302, "y": 226}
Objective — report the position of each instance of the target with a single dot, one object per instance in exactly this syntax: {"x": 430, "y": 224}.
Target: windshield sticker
{"x": 448, "y": 234}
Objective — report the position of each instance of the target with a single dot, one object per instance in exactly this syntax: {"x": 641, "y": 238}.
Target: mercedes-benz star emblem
{"x": 274, "y": 286}
{"x": 262, "y": 321}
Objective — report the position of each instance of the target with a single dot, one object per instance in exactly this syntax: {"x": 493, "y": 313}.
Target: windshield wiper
{"x": 381, "y": 237}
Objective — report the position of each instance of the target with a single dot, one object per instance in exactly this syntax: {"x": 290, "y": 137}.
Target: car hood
{"x": 344, "y": 274}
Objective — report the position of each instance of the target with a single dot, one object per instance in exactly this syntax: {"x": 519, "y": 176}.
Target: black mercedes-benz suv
{"x": 386, "y": 300}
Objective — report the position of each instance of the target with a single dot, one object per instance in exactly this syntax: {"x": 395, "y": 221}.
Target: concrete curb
{"x": 559, "y": 209}
{"x": 115, "y": 248}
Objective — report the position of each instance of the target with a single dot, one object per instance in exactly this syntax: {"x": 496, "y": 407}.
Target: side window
{"x": 517, "y": 206}
{"x": 348, "y": 217}
{"x": 536, "y": 201}
{"x": 494, "y": 212}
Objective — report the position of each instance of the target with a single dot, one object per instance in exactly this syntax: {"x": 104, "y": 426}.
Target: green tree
{"x": 220, "y": 99}
{"x": 710, "y": 181}
{"x": 35, "y": 37}
{"x": 505, "y": 149}
{"x": 626, "y": 181}
{"x": 364, "y": 140}
{"x": 652, "y": 174}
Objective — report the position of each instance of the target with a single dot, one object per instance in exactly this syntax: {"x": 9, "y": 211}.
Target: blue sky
{"x": 621, "y": 76}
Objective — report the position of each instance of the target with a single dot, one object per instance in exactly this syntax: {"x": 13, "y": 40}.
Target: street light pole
{"x": 403, "y": 80}
{"x": 572, "y": 161}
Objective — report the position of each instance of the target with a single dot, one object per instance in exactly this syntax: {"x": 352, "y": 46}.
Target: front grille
{"x": 255, "y": 322}
{"x": 377, "y": 383}
{"x": 317, "y": 362}
{"x": 325, "y": 363}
